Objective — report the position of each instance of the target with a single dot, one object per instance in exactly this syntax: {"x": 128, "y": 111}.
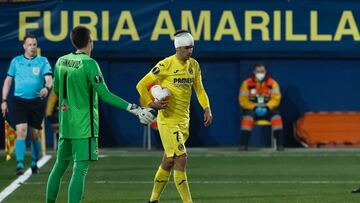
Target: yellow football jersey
{"x": 179, "y": 78}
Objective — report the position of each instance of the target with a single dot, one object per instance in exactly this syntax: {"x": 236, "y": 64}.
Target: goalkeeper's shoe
{"x": 153, "y": 201}
{"x": 357, "y": 190}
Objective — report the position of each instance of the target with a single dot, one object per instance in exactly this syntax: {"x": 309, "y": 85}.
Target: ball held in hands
{"x": 160, "y": 93}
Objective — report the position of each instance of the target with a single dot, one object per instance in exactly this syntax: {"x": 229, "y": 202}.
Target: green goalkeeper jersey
{"x": 78, "y": 81}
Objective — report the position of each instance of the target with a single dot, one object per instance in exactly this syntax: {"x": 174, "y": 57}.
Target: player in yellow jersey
{"x": 179, "y": 73}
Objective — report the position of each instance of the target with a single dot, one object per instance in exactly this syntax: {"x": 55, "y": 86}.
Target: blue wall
{"x": 314, "y": 75}
{"x": 306, "y": 85}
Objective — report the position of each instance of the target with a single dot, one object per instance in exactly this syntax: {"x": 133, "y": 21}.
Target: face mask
{"x": 260, "y": 76}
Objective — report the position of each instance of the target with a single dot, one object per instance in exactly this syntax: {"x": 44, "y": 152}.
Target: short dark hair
{"x": 180, "y": 32}
{"x": 80, "y": 36}
{"x": 259, "y": 64}
{"x": 29, "y": 36}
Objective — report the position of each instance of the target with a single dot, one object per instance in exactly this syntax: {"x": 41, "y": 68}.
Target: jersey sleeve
{"x": 153, "y": 77}
{"x": 275, "y": 96}
{"x": 244, "y": 99}
{"x": 12, "y": 68}
{"x": 97, "y": 81}
{"x": 47, "y": 68}
{"x": 199, "y": 89}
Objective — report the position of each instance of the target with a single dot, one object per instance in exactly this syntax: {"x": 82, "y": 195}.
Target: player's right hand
{"x": 161, "y": 104}
{"x": 4, "y": 108}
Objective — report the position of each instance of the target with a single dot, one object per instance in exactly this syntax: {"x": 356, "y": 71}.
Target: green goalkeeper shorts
{"x": 78, "y": 149}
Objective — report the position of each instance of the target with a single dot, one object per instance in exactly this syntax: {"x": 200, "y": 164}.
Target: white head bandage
{"x": 183, "y": 39}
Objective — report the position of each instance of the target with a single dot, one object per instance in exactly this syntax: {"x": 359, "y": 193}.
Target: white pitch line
{"x": 314, "y": 182}
{"x": 21, "y": 179}
{"x": 240, "y": 182}
{"x": 234, "y": 154}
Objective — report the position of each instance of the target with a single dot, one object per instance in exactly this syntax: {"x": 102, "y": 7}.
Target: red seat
{"x": 329, "y": 129}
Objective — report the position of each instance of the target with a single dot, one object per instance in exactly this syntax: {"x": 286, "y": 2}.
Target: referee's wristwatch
{"x": 48, "y": 88}
{"x": 4, "y": 100}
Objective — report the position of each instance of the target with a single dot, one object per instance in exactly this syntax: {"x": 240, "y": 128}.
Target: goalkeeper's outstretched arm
{"x": 96, "y": 79}
{"x": 145, "y": 115}
{"x": 110, "y": 98}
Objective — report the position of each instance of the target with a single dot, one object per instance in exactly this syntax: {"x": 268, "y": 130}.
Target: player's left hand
{"x": 207, "y": 117}
{"x": 43, "y": 93}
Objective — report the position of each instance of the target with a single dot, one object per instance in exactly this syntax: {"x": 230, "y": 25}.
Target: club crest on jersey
{"x": 190, "y": 70}
{"x": 36, "y": 70}
{"x": 181, "y": 147}
{"x": 64, "y": 107}
{"x": 98, "y": 79}
{"x": 155, "y": 70}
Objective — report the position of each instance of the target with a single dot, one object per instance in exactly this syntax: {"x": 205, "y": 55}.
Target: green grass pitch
{"x": 216, "y": 175}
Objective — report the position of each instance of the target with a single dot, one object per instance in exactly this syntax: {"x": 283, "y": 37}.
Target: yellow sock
{"x": 182, "y": 186}
{"x": 160, "y": 181}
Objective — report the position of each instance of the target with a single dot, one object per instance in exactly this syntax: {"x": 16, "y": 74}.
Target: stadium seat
{"x": 262, "y": 122}
{"x": 328, "y": 129}
{"x": 262, "y": 134}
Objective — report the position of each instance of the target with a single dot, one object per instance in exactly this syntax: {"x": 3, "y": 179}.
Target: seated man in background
{"x": 259, "y": 99}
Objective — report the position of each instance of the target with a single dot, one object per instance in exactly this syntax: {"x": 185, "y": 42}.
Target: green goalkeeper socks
{"x": 54, "y": 180}
{"x": 77, "y": 182}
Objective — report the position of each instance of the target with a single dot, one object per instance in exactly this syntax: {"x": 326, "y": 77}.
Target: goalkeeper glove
{"x": 145, "y": 115}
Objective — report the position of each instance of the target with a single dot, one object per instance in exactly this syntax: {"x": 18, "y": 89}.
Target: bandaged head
{"x": 183, "y": 39}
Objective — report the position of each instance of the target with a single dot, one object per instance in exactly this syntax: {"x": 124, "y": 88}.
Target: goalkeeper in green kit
{"x": 78, "y": 81}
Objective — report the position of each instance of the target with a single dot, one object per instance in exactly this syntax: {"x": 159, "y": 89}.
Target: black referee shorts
{"x": 30, "y": 111}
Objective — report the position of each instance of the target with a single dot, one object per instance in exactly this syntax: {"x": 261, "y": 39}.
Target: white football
{"x": 159, "y": 93}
